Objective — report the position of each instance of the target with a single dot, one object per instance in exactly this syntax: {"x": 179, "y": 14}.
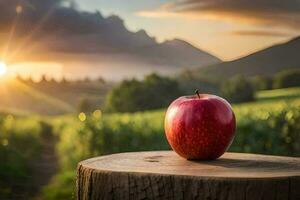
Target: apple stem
{"x": 197, "y": 93}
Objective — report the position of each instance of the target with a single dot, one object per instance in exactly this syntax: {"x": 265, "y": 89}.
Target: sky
{"x": 74, "y": 40}
{"x": 228, "y": 29}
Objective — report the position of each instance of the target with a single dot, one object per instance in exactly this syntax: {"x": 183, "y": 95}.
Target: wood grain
{"x": 165, "y": 175}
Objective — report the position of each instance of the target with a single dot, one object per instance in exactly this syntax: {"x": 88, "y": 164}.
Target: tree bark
{"x": 165, "y": 175}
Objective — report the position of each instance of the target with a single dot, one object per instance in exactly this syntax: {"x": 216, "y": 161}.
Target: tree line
{"x": 44, "y": 79}
{"x": 156, "y": 91}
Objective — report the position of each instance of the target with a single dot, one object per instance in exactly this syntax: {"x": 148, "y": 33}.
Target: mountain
{"x": 265, "y": 62}
{"x": 177, "y": 53}
{"x": 89, "y": 44}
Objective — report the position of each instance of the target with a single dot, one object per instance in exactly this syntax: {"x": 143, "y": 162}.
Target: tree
{"x": 101, "y": 80}
{"x": 30, "y": 80}
{"x": 189, "y": 81}
{"x": 52, "y": 80}
{"x": 126, "y": 97}
{"x": 43, "y": 79}
{"x": 19, "y": 78}
{"x": 87, "y": 80}
{"x": 288, "y": 78}
{"x": 84, "y": 106}
{"x": 64, "y": 81}
{"x": 152, "y": 93}
{"x": 238, "y": 89}
{"x": 161, "y": 90}
{"x": 261, "y": 83}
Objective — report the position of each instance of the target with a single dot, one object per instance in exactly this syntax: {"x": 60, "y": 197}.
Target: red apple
{"x": 200, "y": 127}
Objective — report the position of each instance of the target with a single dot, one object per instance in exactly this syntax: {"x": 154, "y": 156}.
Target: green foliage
{"x": 50, "y": 97}
{"x": 127, "y": 97}
{"x": 269, "y": 131}
{"x": 112, "y": 133}
{"x": 189, "y": 82}
{"x": 61, "y": 187}
{"x": 261, "y": 83}
{"x": 100, "y": 135}
{"x": 19, "y": 147}
{"x": 288, "y": 78}
{"x": 151, "y": 93}
{"x": 271, "y": 125}
{"x": 238, "y": 89}
{"x": 278, "y": 94}
{"x": 84, "y": 106}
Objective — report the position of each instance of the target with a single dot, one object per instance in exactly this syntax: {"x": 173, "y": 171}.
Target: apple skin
{"x": 200, "y": 127}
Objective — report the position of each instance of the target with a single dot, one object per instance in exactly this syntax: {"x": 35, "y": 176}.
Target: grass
{"x": 269, "y": 125}
{"x": 49, "y": 98}
{"x": 279, "y": 94}
{"x": 42, "y": 97}
{"x": 19, "y": 147}
{"x": 269, "y": 100}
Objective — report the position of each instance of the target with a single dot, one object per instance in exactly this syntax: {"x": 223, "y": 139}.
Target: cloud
{"x": 52, "y": 31}
{"x": 282, "y": 13}
{"x": 263, "y": 33}
{"x": 43, "y": 28}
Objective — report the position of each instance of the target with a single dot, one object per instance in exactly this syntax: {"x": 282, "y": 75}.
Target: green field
{"x": 50, "y": 98}
{"x": 279, "y": 94}
{"x": 269, "y": 125}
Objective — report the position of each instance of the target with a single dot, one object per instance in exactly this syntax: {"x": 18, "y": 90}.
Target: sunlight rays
{"x": 3, "y": 69}
{"x": 27, "y": 40}
{"x": 9, "y": 55}
{"x": 11, "y": 34}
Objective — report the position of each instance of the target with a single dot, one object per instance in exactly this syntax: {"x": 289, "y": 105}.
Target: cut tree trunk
{"x": 165, "y": 175}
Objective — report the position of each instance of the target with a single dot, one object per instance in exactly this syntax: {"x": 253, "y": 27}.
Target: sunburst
{"x": 3, "y": 68}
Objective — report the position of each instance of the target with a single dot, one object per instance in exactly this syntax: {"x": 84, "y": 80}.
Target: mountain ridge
{"x": 99, "y": 44}
{"x": 264, "y": 62}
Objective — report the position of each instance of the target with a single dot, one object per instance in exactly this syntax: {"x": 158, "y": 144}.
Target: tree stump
{"x": 165, "y": 175}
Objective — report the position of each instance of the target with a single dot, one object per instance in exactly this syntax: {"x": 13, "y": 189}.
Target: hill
{"x": 50, "y": 98}
{"x": 90, "y": 44}
{"x": 265, "y": 62}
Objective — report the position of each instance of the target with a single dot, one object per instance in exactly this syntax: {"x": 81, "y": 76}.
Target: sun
{"x": 3, "y": 68}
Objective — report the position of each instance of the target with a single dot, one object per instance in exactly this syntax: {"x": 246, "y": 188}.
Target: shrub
{"x": 61, "y": 187}
{"x": 261, "y": 83}
{"x": 189, "y": 82}
{"x": 19, "y": 147}
{"x": 113, "y": 133}
{"x": 274, "y": 132}
{"x": 267, "y": 131}
{"x": 151, "y": 93}
{"x": 84, "y": 106}
{"x": 238, "y": 89}
{"x": 97, "y": 136}
{"x": 289, "y": 78}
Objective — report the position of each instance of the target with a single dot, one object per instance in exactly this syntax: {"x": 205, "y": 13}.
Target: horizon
{"x": 86, "y": 78}
{"x": 229, "y": 33}
{"x": 245, "y": 34}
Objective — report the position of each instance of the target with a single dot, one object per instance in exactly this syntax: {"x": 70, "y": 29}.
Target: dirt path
{"x": 47, "y": 165}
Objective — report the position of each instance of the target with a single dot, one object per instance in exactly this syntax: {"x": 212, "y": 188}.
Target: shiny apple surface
{"x": 200, "y": 127}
